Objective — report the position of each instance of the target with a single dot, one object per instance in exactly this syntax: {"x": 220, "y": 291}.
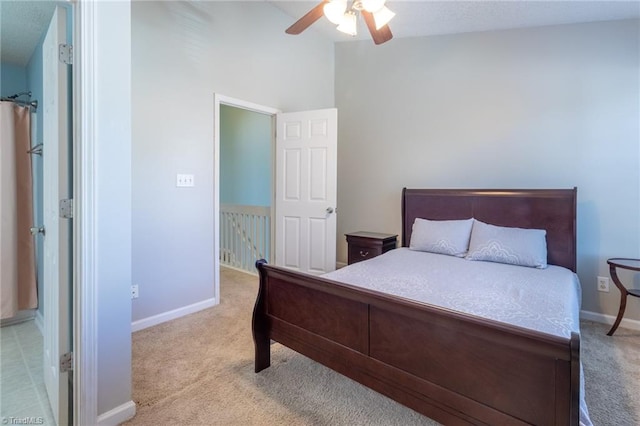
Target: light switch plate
{"x": 184, "y": 180}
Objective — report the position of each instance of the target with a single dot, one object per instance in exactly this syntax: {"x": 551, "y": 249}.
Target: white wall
{"x": 533, "y": 108}
{"x": 103, "y": 189}
{"x": 113, "y": 207}
{"x": 181, "y": 54}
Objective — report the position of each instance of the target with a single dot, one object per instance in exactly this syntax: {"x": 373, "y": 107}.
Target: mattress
{"x": 546, "y": 300}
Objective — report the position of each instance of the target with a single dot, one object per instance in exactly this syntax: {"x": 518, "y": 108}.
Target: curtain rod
{"x": 29, "y": 103}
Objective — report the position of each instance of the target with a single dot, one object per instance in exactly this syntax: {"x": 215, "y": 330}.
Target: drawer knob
{"x": 364, "y": 253}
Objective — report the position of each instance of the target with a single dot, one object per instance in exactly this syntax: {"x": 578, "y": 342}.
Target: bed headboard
{"x": 551, "y": 209}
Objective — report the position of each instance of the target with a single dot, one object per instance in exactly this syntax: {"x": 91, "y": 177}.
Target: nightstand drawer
{"x": 358, "y": 253}
{"x": 366, "y": 245}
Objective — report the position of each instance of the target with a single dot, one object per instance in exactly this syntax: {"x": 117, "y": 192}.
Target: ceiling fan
{"x": 344, "y": 14}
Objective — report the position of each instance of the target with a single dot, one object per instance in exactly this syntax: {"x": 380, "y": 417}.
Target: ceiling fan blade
{"x": 379, "y": 36}
{"x": 305, "y": 22}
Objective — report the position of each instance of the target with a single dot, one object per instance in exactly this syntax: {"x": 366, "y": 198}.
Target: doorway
{"x": 25, "y": 73}
{"x": 304, "y": 170}
{"x": 242, "y": 211}
{"x": 246, "y": 187}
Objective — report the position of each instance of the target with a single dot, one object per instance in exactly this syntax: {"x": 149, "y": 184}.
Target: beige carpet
{"x": 198, "y": 370}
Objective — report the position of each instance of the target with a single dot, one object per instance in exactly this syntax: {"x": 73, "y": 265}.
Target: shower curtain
{"x": 18, "y": 288}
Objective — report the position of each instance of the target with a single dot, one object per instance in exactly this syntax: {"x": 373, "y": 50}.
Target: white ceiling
{"x": 23, "y": 22}
{"x": 420, "y": 18}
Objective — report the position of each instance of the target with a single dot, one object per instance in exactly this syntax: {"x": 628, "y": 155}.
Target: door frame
{"x": 218, "y": 100}
{"x": 85, "y": 296}
{"x": 93, "y": 104}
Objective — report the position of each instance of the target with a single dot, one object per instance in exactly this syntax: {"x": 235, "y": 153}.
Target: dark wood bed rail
{"x": 468, "y": 370}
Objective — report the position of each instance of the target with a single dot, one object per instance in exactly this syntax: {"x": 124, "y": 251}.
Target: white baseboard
{"x": 118, "y": 415}
{"x": 609, "y": 320}
{"x": 170, "y": 315}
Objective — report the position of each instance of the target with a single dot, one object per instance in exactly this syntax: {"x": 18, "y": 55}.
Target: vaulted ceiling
{"x": 421, "y": 18}
{"x": 22, "y": 23}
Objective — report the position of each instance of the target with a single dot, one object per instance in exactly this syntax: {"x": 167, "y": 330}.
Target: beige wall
{"x": 534, "y": 108}
{"x": 183, "y": 52}
{"x": 546, "y": 107}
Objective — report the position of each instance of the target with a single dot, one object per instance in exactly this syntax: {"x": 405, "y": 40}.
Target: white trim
{"x": 170, "y": 315}
{"x": 85, "y": 282}
{"x": 226, "y": 100}
{"x": 609, "y": 320}
{"x": 118, "y": 415}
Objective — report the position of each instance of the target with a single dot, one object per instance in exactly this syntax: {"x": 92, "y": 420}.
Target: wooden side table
{"x": 632, "y": 265}
{"x": 366, "y": 245}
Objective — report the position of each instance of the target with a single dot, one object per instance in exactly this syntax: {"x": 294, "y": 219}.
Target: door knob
{"x": 330, "y": 210}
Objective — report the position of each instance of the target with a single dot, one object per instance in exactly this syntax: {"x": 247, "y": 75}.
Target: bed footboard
{"x": 260, "y": 326}
{"x": 454, "y": 368}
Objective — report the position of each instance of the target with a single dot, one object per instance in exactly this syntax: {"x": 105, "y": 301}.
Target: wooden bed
{"x": 452, "y": 367}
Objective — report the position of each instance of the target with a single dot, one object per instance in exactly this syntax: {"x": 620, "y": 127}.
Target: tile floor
{"x": 23, "y": 398}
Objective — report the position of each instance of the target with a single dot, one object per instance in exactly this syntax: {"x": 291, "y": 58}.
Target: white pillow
{"x": 441, "y": 236}
{"x": 515, "y": 246}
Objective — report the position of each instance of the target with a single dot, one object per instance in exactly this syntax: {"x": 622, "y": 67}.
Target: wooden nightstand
{"x": 365, "y": 245}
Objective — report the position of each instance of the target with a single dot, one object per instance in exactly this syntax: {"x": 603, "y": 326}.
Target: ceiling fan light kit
{"x": 348, "y": 25}
{"x": 335, "y": 10}
{"x": 374, "y": 12}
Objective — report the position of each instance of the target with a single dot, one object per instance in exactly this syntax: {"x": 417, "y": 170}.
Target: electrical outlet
{"x": 603, "y": 284}
{"x": 134, "y": 291}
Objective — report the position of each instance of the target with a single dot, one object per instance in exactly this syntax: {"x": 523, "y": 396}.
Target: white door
{"x": 55, "y": 166}
{"x": 306, "y": 194}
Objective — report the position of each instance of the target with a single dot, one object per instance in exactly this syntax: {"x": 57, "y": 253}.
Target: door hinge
{"x": 66, "y": 362}
{"x": 65, "y": 53}
{"x": 66, "y": 208}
